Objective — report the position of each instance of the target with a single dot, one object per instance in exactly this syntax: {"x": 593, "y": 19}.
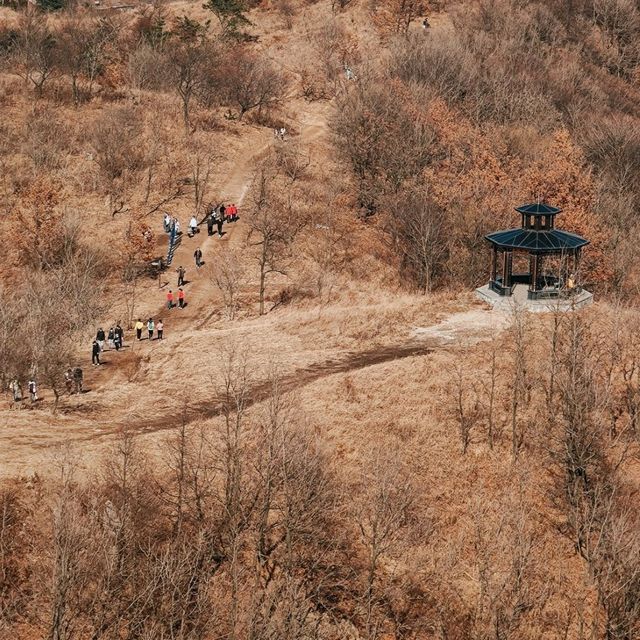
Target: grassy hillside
{"x": 334, "y": 439}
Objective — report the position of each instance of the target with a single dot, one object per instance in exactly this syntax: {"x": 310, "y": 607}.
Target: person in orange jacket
{"x": 170, "y": 299}
{"x": 181, "y": 298}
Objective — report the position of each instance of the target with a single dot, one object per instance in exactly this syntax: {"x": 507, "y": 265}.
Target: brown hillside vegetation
{"x": 332, "y": 440}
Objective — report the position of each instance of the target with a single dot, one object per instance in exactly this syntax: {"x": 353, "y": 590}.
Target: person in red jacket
{"x": 234, "y": 213}
{"x": 181, "y": 298}
{"x": 170, "y": 299}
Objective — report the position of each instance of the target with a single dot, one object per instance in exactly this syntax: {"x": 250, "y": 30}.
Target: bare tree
{"x": 385, "y": 512}
{"x": 252, "y": 83}
{"x": 34, "y": 51}
{"x": 465, "y": 405}
{"x": 420, "y": 231}
{"x": 292, "y": 161}
{"x": 519, "y": 382}
{"x": 273, "y": 226}
{"x": 69, "y": 539}
{"x": 506, "y": 568}
{"x": 202, "y": 166}
{"x": 83, "y": 44}
{"x": 116, "y": 139}
{"x": 190, "y": 55}
{"x": 228, "y": 274}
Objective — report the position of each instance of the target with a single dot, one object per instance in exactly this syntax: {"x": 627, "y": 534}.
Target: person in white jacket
{"x": 193, "y": 225}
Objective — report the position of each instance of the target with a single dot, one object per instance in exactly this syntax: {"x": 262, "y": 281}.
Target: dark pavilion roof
{"x": 553, "y": 241}
{"x": 538, "y": 209}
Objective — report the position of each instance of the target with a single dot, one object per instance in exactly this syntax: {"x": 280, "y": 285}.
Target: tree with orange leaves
{"x": 39, "y": 230}
{"x": 561, "y": 178}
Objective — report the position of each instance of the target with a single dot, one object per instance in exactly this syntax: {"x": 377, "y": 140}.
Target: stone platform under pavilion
{"x": 519, "y": 298}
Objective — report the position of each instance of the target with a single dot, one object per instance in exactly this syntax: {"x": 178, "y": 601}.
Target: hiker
{"x": 181, "y": 298}
{"x": 119, "y": 337}
{"x": 95, "y": 353}
{"x": 170, "y": 299}
{"x": 33, "y": 390}
{"x": 229, "y": 213}
{"x": 197, "y": 254}
{"x": 181, "y": 273}
{"x": 348, "y": 72}
{"x": 276, "y": 133}
{"x": 150, "y": 328}
{"x": 100, "y": 338}
{"x": 425, "y": 24}
{"x": 193, "y": 225}
{"x": 210, "y": 220}
{"x": 160, "y": 328}
{"x": 166, "y": 222}
{"x": 220, "y": 218}
{"x": 283, "y": 132}
{"x": 234, "y": 213}
{"x": 111, "y": 336}
{"x": 68, "y": 380}
{"x": 139, "y": 328}
{"x": 77, "y": 379}
{"x": 16, "y": 390}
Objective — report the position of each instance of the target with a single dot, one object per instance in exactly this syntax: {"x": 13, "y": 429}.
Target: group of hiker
{"x": 16, "y": 390}
{"x": 171, "y": 299}
{"x": 216, "y": 216}
{"x": 73, "y": 380}
{"x": 114, "y": 339}
{"x": 152, "y": 326}
{"x": 171, "y": 224}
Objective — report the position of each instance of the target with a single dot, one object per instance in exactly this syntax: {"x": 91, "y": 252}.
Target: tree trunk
{"x": 263, "y": 277}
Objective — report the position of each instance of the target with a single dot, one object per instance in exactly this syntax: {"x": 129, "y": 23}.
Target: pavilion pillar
{"x": 576, "y": 265}
{"x": 564, "y": 269}
{"x": 534, "y": 271}
{"x": 494, "y": 264}
{"x": 507, "y": 266}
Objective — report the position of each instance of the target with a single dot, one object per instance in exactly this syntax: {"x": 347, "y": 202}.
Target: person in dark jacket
{"x": 197, "y": 254}
{"x": 100, "y": 337}
{"x": 119, "y": 337}
{"x": 181, "y": 273}
{"x": 220, "y": 219}
{"x": 211, "y": 219}
{"x": 95, "y": 353}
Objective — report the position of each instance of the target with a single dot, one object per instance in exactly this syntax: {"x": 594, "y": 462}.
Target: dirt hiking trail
{"x": 110, "y": 408}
